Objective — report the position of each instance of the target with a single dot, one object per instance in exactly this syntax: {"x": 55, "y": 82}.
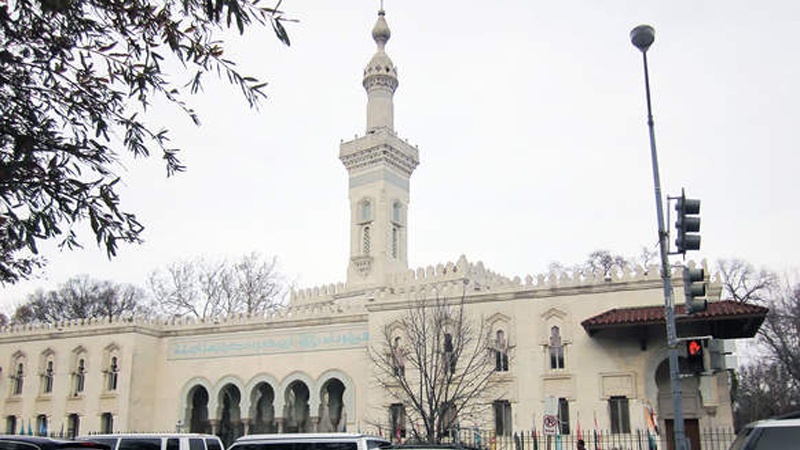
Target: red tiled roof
{"x": 647, "y": 315}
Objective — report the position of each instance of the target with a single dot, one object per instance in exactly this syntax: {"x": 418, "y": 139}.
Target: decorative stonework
{"x": 381, "y": 154}
{"x": 363, "y": 265}
{"x": 380, "y": 80}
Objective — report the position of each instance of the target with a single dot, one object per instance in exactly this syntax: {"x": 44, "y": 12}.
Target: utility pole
{"x": 642, "y": 37}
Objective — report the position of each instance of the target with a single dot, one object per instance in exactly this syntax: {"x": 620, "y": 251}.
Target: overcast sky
{"x": 531, "y": 125}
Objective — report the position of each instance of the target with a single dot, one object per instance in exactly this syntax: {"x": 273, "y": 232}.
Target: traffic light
{"x": 687, "y": 223}
{"x": 694, "y": 355}
{"x": 694, "y": 290}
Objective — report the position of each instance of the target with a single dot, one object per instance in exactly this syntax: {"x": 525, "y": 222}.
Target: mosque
{"x": 594, "y": 346}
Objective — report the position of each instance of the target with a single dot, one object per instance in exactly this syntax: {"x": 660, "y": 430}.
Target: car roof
{"x": 47, "y": 441}
{"x": 146, "y": 435}
{"x": 308, "y": 437}
{"x": 776, "y": 423}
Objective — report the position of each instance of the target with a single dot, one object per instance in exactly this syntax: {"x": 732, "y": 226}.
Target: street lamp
{"x": 642, "y": 37}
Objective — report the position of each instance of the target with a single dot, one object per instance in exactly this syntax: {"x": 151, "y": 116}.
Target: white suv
{"x": 137, "y": 441}
{"x": 309, "y": 441}
{"x": 771, "y": 434}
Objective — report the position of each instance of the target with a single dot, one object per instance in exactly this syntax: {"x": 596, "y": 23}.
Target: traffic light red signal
{"x": 694, "y": 355}
{"x": 694, "y": 347}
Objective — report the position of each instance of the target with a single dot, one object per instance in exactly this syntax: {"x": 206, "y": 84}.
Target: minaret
{"x": 379, "y": 165}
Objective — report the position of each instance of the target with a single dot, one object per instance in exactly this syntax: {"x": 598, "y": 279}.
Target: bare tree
{"x": 603, "y": 262}
{"x": 440, "y": 364}
{"x": 647, "y": 256}
{"x": 742, "y": 283}
{"x": 780, "y": 334}
{"x": 82, "y": 298}
{"x": 761, "y": 392}
{"x": 204, "y": 288}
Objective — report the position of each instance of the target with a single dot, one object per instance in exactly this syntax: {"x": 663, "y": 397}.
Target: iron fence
{"x": 708, "y": 439}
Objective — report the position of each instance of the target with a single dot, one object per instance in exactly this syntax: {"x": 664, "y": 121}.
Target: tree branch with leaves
{"x": 76, "y": 80}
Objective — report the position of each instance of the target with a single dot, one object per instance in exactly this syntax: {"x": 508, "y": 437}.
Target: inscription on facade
{"x": 316, "y": 339}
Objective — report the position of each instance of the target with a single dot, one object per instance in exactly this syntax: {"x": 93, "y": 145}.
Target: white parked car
{"x": 309, "y": 441}
{"x": 157, "y": 441}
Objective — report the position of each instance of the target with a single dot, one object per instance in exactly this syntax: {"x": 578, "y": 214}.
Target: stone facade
{"x": 306, "y": 368}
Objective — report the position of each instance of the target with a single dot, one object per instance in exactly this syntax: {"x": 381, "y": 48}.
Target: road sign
{"x": 550, "y": 424}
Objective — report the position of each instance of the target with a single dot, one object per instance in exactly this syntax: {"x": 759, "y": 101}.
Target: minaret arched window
{"x": 556, "y": 349}
{"x": 397, "y": 213}
{"x": 366, "y": 240}
{"x": 365, "y": 218}
{"x": 365, "y": 210}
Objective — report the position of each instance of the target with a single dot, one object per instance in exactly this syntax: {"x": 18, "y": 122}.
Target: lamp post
{"x": 642, "y": 37}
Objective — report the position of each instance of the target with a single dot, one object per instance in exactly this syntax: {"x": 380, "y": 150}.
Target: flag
{"x": 22, "y": 427}
{"x": 477, "y": 435}
{"x": 578, "y": 430}
{"x": 535, "y": 439}
{"x": 30, "y": 430}
{"x": 596, "y": 434}
{"x": 558, "y": 442}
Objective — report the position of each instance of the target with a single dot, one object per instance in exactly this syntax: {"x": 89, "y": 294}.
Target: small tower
{"x": 379, "y": 165}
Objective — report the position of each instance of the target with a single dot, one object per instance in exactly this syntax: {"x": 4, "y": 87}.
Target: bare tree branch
{"x": 439, "y": 363}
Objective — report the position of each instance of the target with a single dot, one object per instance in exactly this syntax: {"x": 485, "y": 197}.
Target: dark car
{"x": 20, "y": 442}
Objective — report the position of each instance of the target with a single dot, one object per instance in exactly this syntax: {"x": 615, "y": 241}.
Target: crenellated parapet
{"x": 465, "y": 278}
{"x": 316, "y": 294}
{"x": 160, "y": 325}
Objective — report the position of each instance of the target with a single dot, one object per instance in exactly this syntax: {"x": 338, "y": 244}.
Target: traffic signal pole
{"x": 642, "y": 37}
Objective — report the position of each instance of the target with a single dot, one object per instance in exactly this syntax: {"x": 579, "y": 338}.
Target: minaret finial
{"x": 380, "y": 80}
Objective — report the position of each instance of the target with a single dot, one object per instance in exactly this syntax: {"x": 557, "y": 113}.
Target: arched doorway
{"x": 296, "y": 411}
{"x": 230, "y": 414}
{"x": 262, "y": 399}
{"x": 197, "y": 415}
{"x": 331, "y": 408}
{"x": 690, "y": 398}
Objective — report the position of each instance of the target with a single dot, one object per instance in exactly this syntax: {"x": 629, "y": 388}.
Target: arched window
{"x": 365, "y": 210}
{"x": 449, "y": 354}
{"x": 397, "y": 418}
{"x": 41, "y": 425}
{"x": 47, "y": 378}
{"x": 501, "y": 352}
{"x": 448, "y": 421}
{"x": 80, "y": 376}
{"x": 397, "y": 212}
{"x": 11, "y": 424}
{"x": 556, "y": 349}
{"x": 107, "y": 423}
{"x": 19, "y": 377}
{"x": 502, "y": 417}
{"x": 73, "y": 425}
{"x": 366, "y": 240}
{"x": 398, "y": 358}
{"x": 112, "y": 375}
